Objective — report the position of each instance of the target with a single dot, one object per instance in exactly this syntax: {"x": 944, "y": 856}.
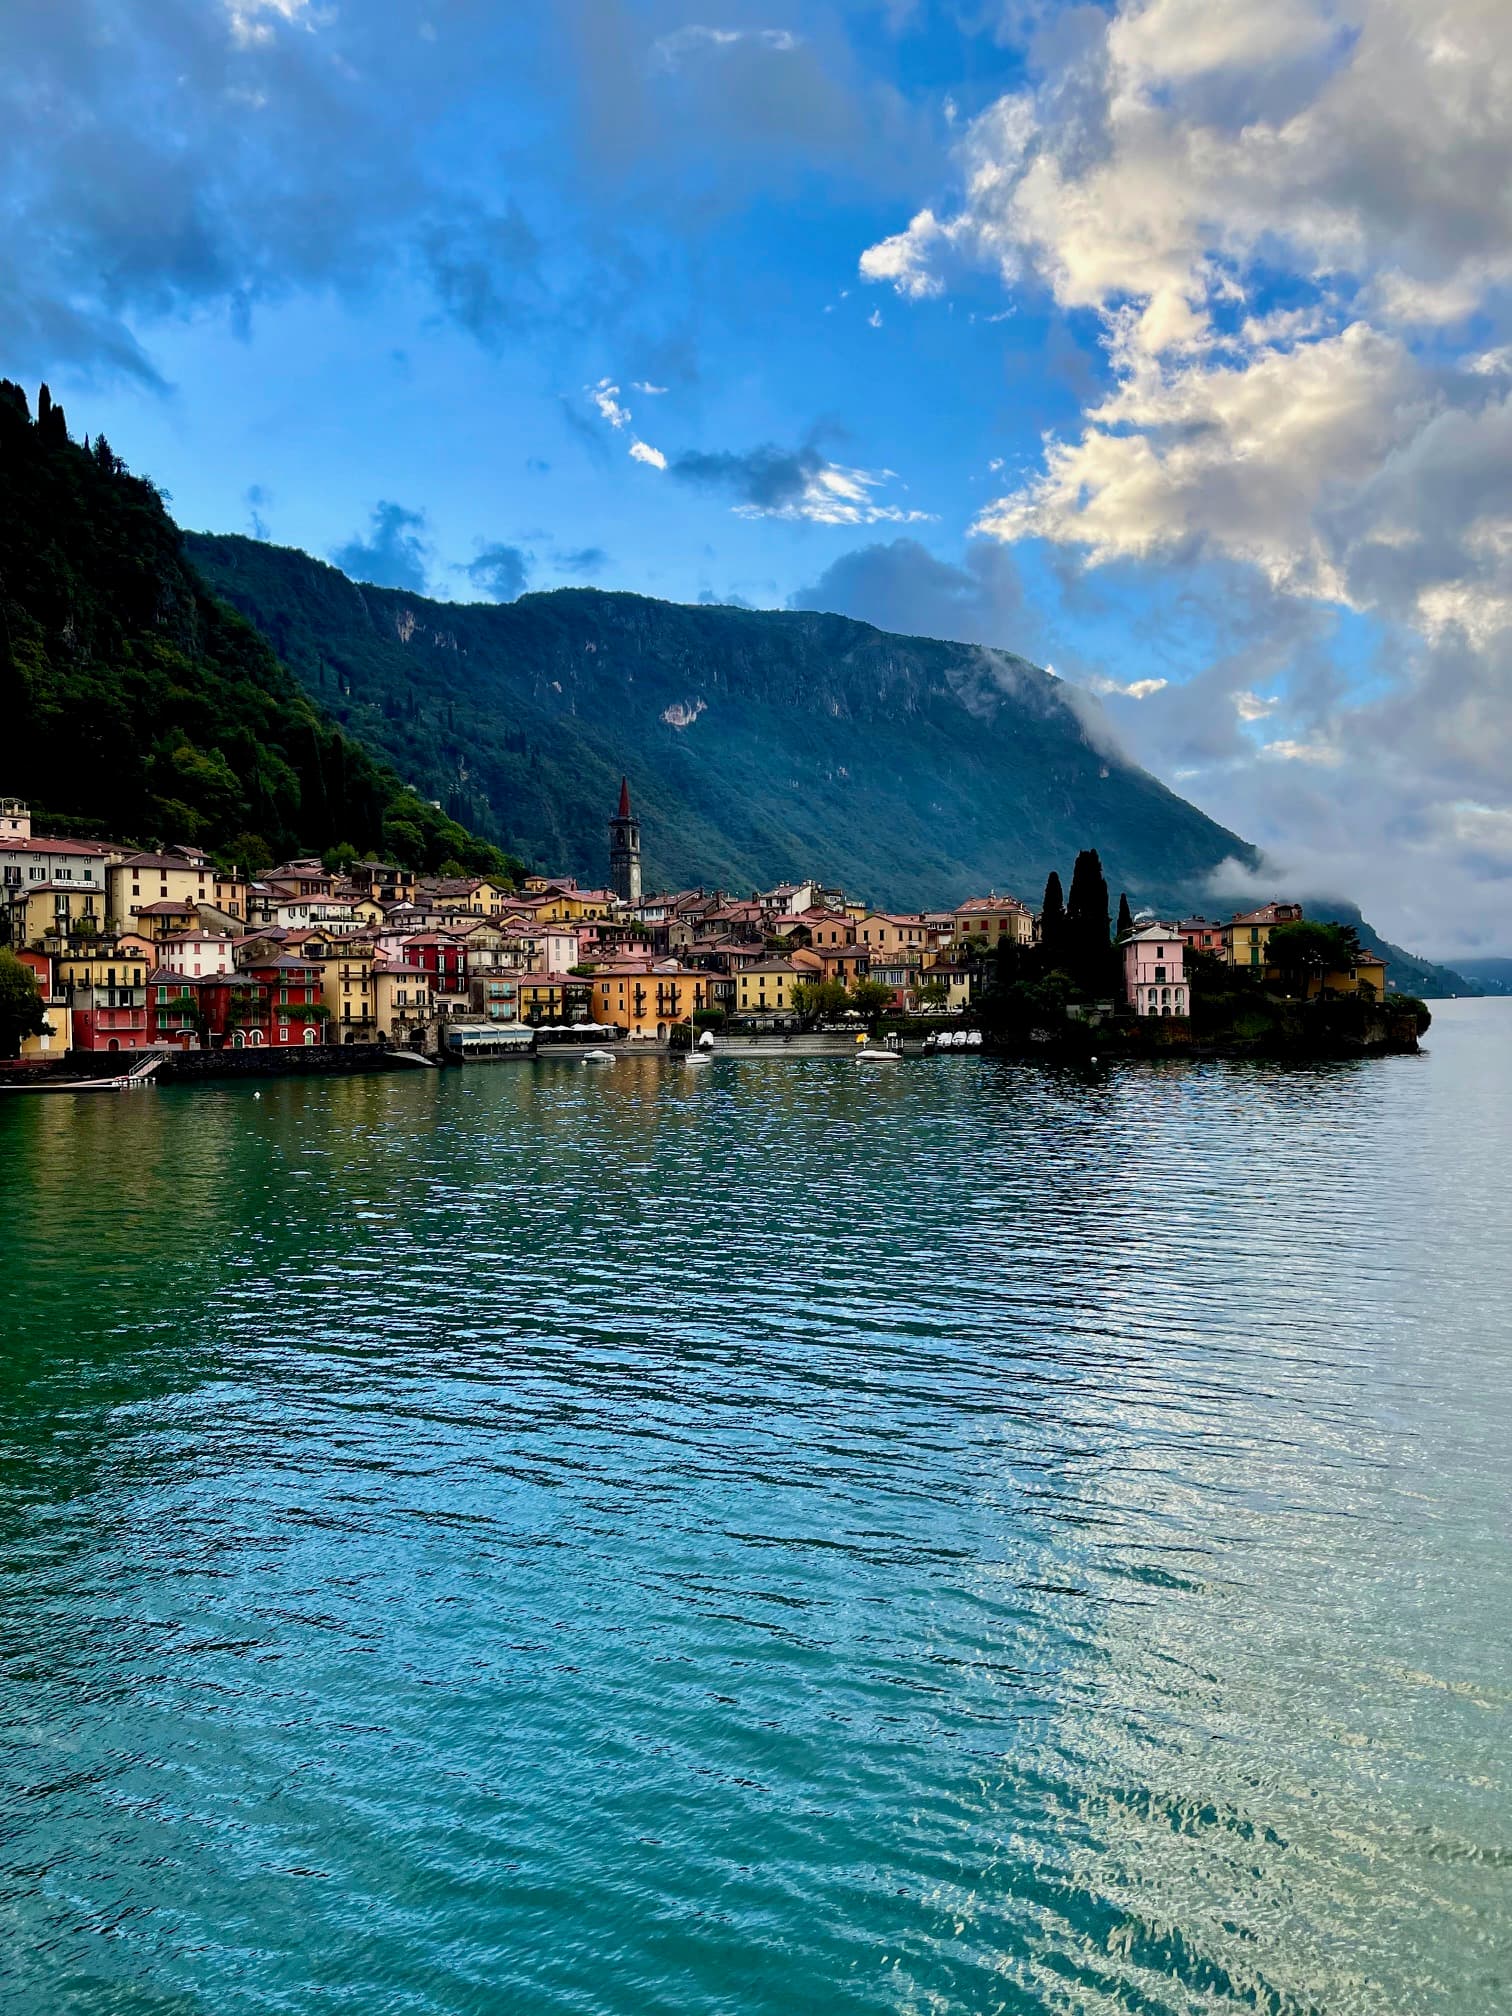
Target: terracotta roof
{"x": 11, "y": 844}
{"x": 167, "y": 861}
{"x": 624, "y": 802}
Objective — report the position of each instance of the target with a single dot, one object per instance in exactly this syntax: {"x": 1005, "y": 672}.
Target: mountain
{"x": 759, "y": 744}
{"x": 1408, "y": 973}
{"x": 1489, "y": 976}
{"x": 138, "y": 706}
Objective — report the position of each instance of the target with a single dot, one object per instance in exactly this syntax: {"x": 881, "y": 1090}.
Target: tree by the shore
{"x": 23, "y": 1012}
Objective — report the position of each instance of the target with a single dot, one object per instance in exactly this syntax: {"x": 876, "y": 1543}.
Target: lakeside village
{"x": 168, "y": 953}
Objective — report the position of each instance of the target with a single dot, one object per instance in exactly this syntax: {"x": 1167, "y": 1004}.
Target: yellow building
{"x": 106, "y": 986}
{"x": 554, "y": 998}
{"x": 55, "y": 910}
{"x": 347, "y": 988}
{"x": 766, "y": 988}
{"x": 955, "y": 980}
{"x": 144, "y": 879}
{"x": 1366, "y": 977}
{"x": 1001, "y": 920}
{"x": 648, "y": 1001}
{"x": 892, "y": 937}
{"x": 57, "y": 1037}
{"x": 403, "y": 998}
{"x": 1246, "y": 936}
{"x": 559, "y": 904}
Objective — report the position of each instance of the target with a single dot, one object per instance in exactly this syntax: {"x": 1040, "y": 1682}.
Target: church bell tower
{"x": 624, "y": 849}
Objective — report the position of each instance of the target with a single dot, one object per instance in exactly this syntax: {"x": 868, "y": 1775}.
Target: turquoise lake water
{"x": 762, "y": 1539}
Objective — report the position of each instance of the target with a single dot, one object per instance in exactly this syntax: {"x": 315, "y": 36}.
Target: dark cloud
{"x": 396, "y": 554}
{"x": 767, "y": 477}
{"x": 581, "y": 560}
{"x": 500, "y": 571}
{"x": 162, "y": 157}
{"x": 900, "y": 585}
{"x": 256, "y": 497}
{"x": 484, "y": 266}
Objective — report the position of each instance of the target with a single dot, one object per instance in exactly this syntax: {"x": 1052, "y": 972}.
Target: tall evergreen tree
{"x": 1053, "y": 921}
{"x": 1125, "y": 917}
{"x": 1088, "y": 925}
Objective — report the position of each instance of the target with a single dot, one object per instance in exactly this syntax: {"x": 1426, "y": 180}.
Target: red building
{"x": 292, "y": 996}
{"x": 1197, "y": 934}
{"x": 443, "y": 958}
{"x": 106, "y": 987}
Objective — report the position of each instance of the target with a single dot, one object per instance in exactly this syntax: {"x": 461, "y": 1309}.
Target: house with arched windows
{"x": 1155, "y": 981}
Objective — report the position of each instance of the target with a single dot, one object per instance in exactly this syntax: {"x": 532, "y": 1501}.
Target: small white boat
{"x": 598, "y": 1057}
{"x": 870, "y": 1056}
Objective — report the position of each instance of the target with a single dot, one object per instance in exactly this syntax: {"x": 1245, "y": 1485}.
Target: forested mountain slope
{"x": 138, "y": 706}
{"x": 759, "y": 744}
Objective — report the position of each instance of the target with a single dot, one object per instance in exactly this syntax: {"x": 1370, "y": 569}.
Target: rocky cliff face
{"x": 758, "y": 743}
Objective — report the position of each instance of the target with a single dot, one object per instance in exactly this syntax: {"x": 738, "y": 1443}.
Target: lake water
{"x": 765, "y": 1539}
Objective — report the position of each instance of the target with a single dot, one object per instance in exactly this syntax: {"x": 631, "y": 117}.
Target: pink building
{"x": 1154, "y": 973}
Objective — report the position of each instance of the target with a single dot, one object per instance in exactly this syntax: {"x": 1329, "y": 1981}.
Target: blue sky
{"x": 1163, "y": 343}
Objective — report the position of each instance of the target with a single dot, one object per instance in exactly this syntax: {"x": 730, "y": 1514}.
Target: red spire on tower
{"x": 624, "y": 809}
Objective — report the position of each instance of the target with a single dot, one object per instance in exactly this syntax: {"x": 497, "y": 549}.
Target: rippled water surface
{"x": 765, "y": 1539}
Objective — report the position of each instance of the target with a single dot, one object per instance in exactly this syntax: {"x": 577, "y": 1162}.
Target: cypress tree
{"x": 52, "y": 425}
{"x": 1053, "y": 920}
{"x": 1125, "y": 918}
{"x": 1088, "y": 925}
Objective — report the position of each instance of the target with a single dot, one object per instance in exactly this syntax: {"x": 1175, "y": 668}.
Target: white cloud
{"x": 1254, "y": 706}
{"x": 642, "y": 451}
{"x": 1286, "y": 215}
{"x": 1241, "y": 459}
{"x": 248, "y": 25}
{"x": 670, "y": 51}
{"x": 651, "y": 391}
{"x": 905, "y": 259}
{"x": 834, "y": 495}
{"x": 1288, "y": 751}
{"x": 1135, "y": 689}
{"x": 605, "y": 396}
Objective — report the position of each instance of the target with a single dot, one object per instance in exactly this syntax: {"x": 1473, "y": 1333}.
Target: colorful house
{"x": 1155, "y": 980}
{"x": 554, "y": 998}
{"x": 646, "y": 1001}
{"x": 1247, "y": 935}
{"x": 1202, "y": 934}
{"x": 57, "y": 1037}
{"x": 883, "y": 935}
{"x": 197, "y": 953}
{"x": 766, "y": 988}
{"x": 179, "y": 876}
{"x": 27, "y": 859}
{"x": 998, "y": 919}
{"x": 294, "y": 993}
{"x": 1366, "y": 976}
{"x": 403, "y": 1000}
{"x": 56, "y": 910}
{"x": 955, "y": 980}
{"x": 106, "y": 987}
